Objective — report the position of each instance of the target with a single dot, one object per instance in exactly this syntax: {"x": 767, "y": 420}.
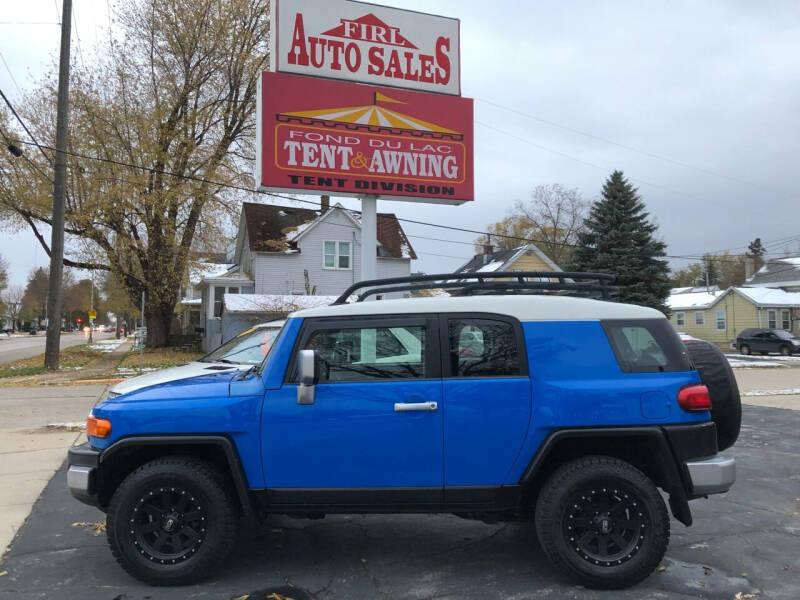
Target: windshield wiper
{"x": 228, "y": 361}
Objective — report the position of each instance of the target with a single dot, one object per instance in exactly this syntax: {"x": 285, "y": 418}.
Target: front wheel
{"x": 744, "y": 349}
{"x": 602, "y": 522}
{"x": 785, "y": 351}
{"x": 171, "y": 521}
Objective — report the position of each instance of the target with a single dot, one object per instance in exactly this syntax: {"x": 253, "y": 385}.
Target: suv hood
{"x": 187, "y": 371}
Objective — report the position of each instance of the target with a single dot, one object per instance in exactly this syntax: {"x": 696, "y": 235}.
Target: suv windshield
{"x": 247, "y": 348}
{"x": 785, "y": 335}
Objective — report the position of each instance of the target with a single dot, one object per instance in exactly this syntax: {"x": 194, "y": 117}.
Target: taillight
{"x": 98, "y": 427}
{"x": 694, "y": 398}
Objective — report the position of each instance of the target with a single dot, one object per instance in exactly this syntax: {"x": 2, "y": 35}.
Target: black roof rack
{"x": 587, "y": 285}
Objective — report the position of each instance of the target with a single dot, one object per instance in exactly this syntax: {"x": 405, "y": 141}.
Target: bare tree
{"x": 174, "y": 96}
{"x": 12, "y": 302}
{"x": 551, "y": 220}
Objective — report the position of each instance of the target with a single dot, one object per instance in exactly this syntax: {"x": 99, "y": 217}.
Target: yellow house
{"x": 719, "y": 316}
{"x": 522, "y": 258}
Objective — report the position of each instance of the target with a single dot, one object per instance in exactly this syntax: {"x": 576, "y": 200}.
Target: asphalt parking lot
{"x": 746, "y": 542}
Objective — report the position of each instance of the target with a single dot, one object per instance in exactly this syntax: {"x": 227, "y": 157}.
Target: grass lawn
{"x": 70, "y": 359}
{"x": 158, "y": 358}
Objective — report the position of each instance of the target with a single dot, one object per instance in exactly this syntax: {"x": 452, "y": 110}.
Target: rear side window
{"x": 646, "y": 346}
{"x": 482, "y": 348}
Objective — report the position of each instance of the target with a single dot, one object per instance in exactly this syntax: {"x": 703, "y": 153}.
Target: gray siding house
{"x": 276, "y": 246}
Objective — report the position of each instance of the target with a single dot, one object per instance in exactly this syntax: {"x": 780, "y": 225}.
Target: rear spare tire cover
{"x": 717, "y": 375}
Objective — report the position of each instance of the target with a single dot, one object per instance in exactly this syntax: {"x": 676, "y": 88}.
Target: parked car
{"x": 765, "y": 341}
{"x": 244, "y": 351}
{"x": 423, "y": 405}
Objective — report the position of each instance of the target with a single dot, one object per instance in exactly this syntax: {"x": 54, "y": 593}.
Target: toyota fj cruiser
{"x": 510, "y": 399}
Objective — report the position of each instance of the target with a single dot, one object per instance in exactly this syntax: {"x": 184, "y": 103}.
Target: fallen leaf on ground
{"x": 245, "y": 597}
{"x": 743, "y": 596}
{"x": 707, "y": 571}
{"x": 3, "y": 573}
{"x": 662, "y": 568}
{"x": 97, "y": 527}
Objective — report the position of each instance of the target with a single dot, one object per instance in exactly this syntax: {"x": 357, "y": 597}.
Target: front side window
{"x": 680, "y": 318}
{"x": 370, "y": 353}
{"x": 721, "y": 320}
{"x": 483, "y": 348}
{"x": 699, "y": 318}
{"x": 772, "y": 319}
{"x": 336, "y": 255}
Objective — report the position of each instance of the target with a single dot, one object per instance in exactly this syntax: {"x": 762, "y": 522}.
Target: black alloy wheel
{"x": 606, "y": 522}
{"x": 172, "y": 521}
{"x": 168, "y": 524}
{"x": 602, "y": 522}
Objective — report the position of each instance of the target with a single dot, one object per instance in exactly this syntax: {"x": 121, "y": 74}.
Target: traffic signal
{"x": 79, "y": 319}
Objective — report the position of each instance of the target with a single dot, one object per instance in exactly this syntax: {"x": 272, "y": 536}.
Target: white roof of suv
{"x": 523, "y": 307}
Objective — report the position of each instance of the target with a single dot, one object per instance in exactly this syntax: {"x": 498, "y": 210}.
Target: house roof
{"x": 206, "y": 270}
{"x": 503, "y": 259}
{"x": 277, "y": 228}
{"x": 264, "y": 303}
{"x": 764, "y": 296}
{"x": 680, "y": 300}
{"x": 777, "y": 272}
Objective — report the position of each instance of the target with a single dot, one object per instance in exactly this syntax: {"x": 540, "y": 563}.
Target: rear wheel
{"x": 171, "y": 521}
{"x": 744, "y": 349}
{"x": 602, "y": 522}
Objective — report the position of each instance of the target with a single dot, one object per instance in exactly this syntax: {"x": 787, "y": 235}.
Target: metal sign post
{"x": 142, "y": 336}
{"x": 369, "y": 236}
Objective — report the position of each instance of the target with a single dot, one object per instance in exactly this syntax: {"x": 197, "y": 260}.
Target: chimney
{"x": 749, "y": 267}
{"x": 325, "y": 203}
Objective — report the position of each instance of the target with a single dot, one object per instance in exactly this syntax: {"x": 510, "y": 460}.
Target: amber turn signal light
{"x": 98, "y": 427}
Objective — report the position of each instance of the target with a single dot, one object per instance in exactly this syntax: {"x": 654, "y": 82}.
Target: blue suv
{"x": 510, "y": 399}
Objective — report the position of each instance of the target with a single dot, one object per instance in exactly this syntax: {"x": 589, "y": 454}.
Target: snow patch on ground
{"x": 783, "y": 392}
{"x": 106, "y": 345}
{"x": 128, "y": 371}
{"x": 736, "y": 364}
{"x": 769, "y": 357}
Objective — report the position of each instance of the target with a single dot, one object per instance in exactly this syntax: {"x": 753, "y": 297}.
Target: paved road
{"x": 746, "y": 540}
{"x": 16, "y": 348}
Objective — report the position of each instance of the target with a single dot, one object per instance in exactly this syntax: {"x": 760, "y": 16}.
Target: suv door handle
{"x": 409, "y": 406}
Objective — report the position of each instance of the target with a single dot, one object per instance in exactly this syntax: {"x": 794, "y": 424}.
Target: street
{"x": 17, "y": 347}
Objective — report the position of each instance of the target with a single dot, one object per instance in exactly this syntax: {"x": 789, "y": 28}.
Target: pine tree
{"x": 756, "y": 251}
{"x": 618, "y": 239}
{"x": 711, "y": 271}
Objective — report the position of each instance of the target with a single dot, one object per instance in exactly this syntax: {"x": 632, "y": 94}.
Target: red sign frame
{"x": 342, "y": 138}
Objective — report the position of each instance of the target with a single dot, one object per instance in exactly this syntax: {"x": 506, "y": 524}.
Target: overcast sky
{"x": 708, "y": 95}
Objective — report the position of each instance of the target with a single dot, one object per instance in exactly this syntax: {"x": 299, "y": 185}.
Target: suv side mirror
{"x": 308, "y": 372}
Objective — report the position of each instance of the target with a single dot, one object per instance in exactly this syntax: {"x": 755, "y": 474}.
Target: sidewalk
{"x": 30, "y": 453}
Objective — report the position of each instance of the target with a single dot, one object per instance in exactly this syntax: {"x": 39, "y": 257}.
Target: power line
{"x": 606, "y": 169}
{"x": 625, "y": 146}
{"x": 10, "y": 74}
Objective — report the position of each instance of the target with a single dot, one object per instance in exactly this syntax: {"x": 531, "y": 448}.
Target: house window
{"x": 721, "y": 320}
{"x": 680, "y": 319}
{"x": 772, "y": 319}
{"x": 786, "y": 322}
{"x": 336, "y": 255}
{"x": 699, "y": 317}
{"x": 219, "y": 293}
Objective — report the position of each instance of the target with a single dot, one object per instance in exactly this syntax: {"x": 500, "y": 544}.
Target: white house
{"x": 289, "y": 251}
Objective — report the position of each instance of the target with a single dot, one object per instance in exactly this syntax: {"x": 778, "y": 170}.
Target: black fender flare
{"x": 219, "y": 441}
{"x": 673, "y": 481}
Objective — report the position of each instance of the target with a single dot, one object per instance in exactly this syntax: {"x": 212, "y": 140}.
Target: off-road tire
{"x": 595, "y": 473}
{"x": 208, "y": 490}
{"x": 726, "y": 403}
{"x": 744, "y": 349}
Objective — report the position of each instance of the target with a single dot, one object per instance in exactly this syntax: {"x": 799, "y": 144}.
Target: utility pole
{"x": 52, "y": 345}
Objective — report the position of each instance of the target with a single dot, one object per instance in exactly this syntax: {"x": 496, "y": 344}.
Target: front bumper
{"x": 82, "y": 473}
{"x": 714, "y": 475}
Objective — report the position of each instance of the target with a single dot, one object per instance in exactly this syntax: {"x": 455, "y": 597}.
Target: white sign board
{"x": 367, "y": 43}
